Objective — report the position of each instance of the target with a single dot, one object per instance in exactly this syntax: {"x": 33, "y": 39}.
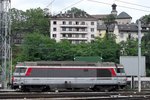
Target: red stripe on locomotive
{"x": 28, "y": 71}
{"x": 113, "y": 73}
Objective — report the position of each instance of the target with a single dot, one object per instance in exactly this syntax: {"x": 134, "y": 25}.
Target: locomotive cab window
{"x": 20, "y": 70}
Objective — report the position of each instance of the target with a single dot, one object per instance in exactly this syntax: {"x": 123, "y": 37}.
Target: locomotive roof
{"x": 66, "y": 63}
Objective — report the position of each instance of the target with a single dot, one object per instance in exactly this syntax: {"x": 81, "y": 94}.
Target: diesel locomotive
{"x": 51, "y": 75}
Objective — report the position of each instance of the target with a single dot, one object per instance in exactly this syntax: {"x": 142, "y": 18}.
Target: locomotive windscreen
{"x": 20, "y": 70}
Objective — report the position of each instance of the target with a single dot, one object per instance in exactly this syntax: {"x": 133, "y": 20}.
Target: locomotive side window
{"x": 103, "y": 73}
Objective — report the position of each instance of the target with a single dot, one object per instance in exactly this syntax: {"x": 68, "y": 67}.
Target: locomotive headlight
{"x": 16, "y": 80}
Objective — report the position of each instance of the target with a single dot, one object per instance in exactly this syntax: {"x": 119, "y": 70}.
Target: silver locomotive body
{"x": 68, "y": 75}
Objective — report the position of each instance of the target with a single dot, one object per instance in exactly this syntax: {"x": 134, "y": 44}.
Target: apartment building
{"x": 75, "y": 27}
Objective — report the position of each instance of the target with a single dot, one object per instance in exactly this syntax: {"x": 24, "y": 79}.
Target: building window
{"x": 83, "y": 41}
{"x": 121, "y": 35}
{"x": 83, "y": 29}
{"x": 54, "y": 22}
{"x": 77, "y": 23}
{"x": 77, "y": 29}
{"x": 54, "y": 29}
{"x": 77, "y": 35}
{"x": 63, "y": 29}
{"x": 70, "y": 23}
{"x": 64, "y": 35}
{"x": 92, "y": 23}
{"x": 69, "y": 35}
{"x": 54, "y": 35}
{"x": 73, "y": 42}
{"x": 64, "y": 23}
{"x": 129, "y": 36}
{"x": 92, "y": 29}
{"x": 92, "y": 36}
{"x": 77, "y": 42}
{"x": 82, "y": 23}
{"x": 70, "y": 29}
{"x": 83, "y": 35}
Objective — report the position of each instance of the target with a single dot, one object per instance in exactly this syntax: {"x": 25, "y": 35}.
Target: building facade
{"x": 74, "y": 27}
{"x": 123, "y": 28}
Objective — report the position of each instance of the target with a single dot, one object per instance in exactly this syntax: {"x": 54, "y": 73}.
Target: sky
{"x": 90, "y": 6}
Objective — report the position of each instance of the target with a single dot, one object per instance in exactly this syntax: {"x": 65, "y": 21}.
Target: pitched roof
{"x": 122, "y": 28}
{"x": 123, "y": 15}
{"x": 103, "y": 27}
{"x": 128, "y": 27}
{"x": 131, "y": 28}
{"x": 81, "y": 15}
{"x": 100, "y": 16}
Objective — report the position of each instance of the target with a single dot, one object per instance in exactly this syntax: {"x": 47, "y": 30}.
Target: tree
{"x": 37, "y": 21}
{"x": 63, "y": 51}
{"x": 108, "y": 21}
{"x": 37, "y": 47}
{"x": 18, "y": 18}
{"x": 32, "y": 20}
{"x": 146, "y": 42}
{"x": 129, "y": 48}
{"x": 75, "y": 11}
{"x": 145, "y": 19}
{"x": 108, "y": 49}
{"x": 82, "y": 49}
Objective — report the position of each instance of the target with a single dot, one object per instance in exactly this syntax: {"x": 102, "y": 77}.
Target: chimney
{"x": 60, "y": 14}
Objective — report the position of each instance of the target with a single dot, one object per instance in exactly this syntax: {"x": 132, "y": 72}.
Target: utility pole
{"x": 139, "y": 56}
{"x": 5, "y": 24}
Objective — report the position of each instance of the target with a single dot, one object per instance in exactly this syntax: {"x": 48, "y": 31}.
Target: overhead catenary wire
{"x": 50, "y": 3}
{"x": 71, "y": 5}
{"x": 118, "y": 5}
{"x": 102, "y": 3}
{"x": 133, "y": 4}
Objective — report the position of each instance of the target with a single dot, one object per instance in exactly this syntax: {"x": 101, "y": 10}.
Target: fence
{"x": 133, "y": 82}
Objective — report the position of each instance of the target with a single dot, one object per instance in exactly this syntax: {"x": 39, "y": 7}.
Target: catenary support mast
{"x": 139, "y": 56}
{"x": 5, "y": 40}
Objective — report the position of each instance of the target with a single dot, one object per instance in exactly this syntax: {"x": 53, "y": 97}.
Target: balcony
{"x": 74, "y": 32}
{"x": 73, "y": 25}
{"x": 74, "y": 38}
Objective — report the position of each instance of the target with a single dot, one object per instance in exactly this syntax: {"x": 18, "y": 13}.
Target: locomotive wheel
{"x": 103, "y": 88}
{"x": 25, "y": 89}
{"x": 46, "y": 89}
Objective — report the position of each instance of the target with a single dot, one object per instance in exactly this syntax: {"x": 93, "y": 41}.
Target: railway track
{"x": 77, "y": 95}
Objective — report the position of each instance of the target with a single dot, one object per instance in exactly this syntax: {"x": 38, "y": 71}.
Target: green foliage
{"x": 108, "y": 49}
{"x": 129, "y": 48}
{"x": 63, "y": 51}
{"x": 36, "y": 21}
{"x": 75, "y": 11}
{"x": 108, "y": 21}
{"x": 145, "y": 19}
{"x": 146, "y": 47}
{"x": 18, "y": 18}
{"x": 32, "y": 20}
{"x": 37, "y": 47}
